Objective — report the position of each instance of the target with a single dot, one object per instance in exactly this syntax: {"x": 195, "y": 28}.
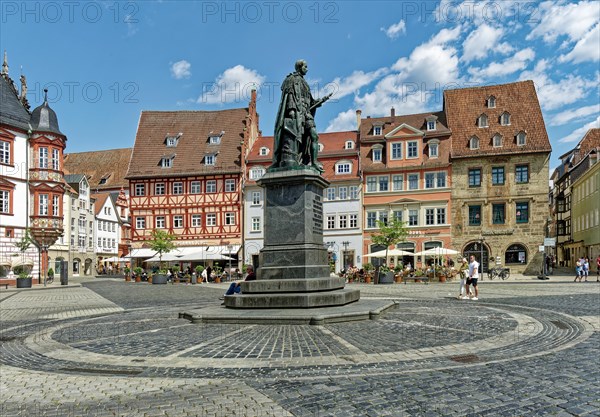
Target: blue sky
{"x": 105, "y": 62}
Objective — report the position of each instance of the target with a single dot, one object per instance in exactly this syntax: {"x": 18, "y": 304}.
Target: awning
{"x": 20, "y": 261}
{"x": 116, "y": 259}
{"x": 390, "y": 252}
{"x": 188, "y": 253}
{"x": 166, "y": 257}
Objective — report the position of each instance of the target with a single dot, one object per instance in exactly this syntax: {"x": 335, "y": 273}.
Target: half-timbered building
{"x": 185, "y": 176}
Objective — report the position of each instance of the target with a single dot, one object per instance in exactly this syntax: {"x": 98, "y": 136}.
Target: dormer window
{"x": 431, "y": 123}
{"x": 521, "y": 139}
{"x": 377, "y": 130}
{"x": 321, "y": 147}
{"x": 377, "y": 153}
{"x": 491, "y": 102}
{"x": 482, "y": 121}
{"x": 210, "y": 159}
{"x": 343, "y": 167}
{"x": 497, "y": 140}
{"x": 433, "y": 146}
{"x": 166, "y": 162}
{"x": 474, "y": 142}
{"x": 256, "y": 173}
{"x": 104, "y": 179}
{"x": 505, "y": 119}
{"x": 214, "y": 140}
{"x": 349, "y": 145}
{"x": 263, "y": 151}
{"x": 171, "y": 141}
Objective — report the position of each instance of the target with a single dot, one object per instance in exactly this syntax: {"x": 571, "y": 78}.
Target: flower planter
{"x": 368, "y": 279}
{"x": 442, "y": 278}
{"x": 149, "y": 279}
{"x": 386, "y": 277}
{"x": 159, "y": 279}
{"x": 24, "y": 282}
{"x": 398, "y": 278}
{"x": 127, "y": 278}
{"x": 218, "y": 280}
{"x": 138, "y": 278}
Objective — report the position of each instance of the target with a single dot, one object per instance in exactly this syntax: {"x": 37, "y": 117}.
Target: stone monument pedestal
{"x": 293, "y": 264}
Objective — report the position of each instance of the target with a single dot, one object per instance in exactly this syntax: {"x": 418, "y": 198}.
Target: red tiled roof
{"x": 333, "y": 151}
{"x": 590, "y": 141}
{"x": 464, "y": 106}
{"x": 100, "y": 200}
{"x": 389, "y": 123}
{"x": 192, "y": 146}
{"x": 95, "y": 165}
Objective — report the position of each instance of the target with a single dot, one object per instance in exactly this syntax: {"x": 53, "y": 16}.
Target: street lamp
{"x": 230, "y": 248}
{"x": 481, "y": 240}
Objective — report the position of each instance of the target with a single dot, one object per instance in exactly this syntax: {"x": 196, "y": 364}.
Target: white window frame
{"x": 256, "y": 224}
{"x": 55, "y": 159}
{"x": 504, "y": 122}
{"x": 140, "y": 223}
{"x": 195, "y": 187}
{"x": 432, "y": 177}
{"x": 230, "y": 219}
{"x": 211, "y": 186}
{"x": 214, "y": 140}
{"x": 256, "y": 197}
{"x": 375, "y": 182}
{"x": 55, "y": 205}
{"x": 434, "y": 148}
{"x": 4, "y": 152}
{"x": 178, "y": 188}
{"x": 379, "y": 178}
{"x": 353, "y": 192}
{"x": 263, "y": 151}
{"x": 394, "y": 149}
{"x": 256, "y": 173}
{"x": 140, "y": 190}
{"x": 177, "y": 221}
{"x": 473, "y": 142}
{"x": 211, "y": 219}
{"x": 377, "y": 130}
{"x": 519, "y": 141}
{"x": 43, "y": 205}
{"x": 371, "y": 215}
{"x": 483, "y": 121}
{"x": 491, "y": 102}
{"x": 343, "y": 193}
{"x": 343, "y": 221}
{"x": 196, "y": 220}
{"x": 230, "y": 185}
{"x": 438, "y": 211}
{"x": 394, "y": 181}
{"x": 431, "y": 125}
{"x": 437, "y": 179}
{"x": 166, "y": 162}
{"x": 343, "y": 167}
{"x": 497, "y": 140}
{"x": 429, "y": 216}
{"x": 210, "y": 159}
{"x": 43, "y": 157}
{"x": 331, "y": 193}
{"x": 160, "y": 222}
{"x": 159, "y": 188}
{"x": 331, "y": 223}
{"x": 349, "y": 144}
{"x": 408, "y": 179}
{"x": 377, "y": 153}
{"x": 408, "y": 147}
{"x": 4, "y": 201}
{"x": 353, "y": 221}
{"x": 411, "y": 217}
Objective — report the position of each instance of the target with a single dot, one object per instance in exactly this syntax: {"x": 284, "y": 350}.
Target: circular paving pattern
{"x": 418, "y": 336}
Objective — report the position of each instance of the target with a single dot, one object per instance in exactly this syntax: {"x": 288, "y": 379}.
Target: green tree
{"x": 390, "y": 233}
{"x": 162, "y": 242}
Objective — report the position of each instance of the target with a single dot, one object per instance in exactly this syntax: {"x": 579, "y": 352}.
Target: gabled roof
{"x": 192, "y": 146}
{"x": 416, "y": 121}
{"x": 571, "y": 159}
{"x": 111, "y": 164}
{"x": 12, "y": 111}
{"x": 100, "y": 200}
{"x": 464, "y": 106}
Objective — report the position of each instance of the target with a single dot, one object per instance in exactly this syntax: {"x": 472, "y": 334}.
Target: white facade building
{"x": 108, "y": 230}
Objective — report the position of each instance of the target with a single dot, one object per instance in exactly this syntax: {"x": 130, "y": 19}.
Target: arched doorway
{"x": 88, "y": 267}
{"x": 76, "y": 266}
{"x": 377, "y": 262}
{"x": 58, "y": 266}
{"x": 515, "y": 254}
{"x": 481, "y": 253}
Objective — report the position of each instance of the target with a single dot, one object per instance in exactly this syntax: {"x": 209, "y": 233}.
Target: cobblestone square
{"x": 110, "y": 348}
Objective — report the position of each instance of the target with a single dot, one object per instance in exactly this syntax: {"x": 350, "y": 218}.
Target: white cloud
{"x": 181, "y": 69}
{"x": 341, "y": 87}
{"x": 395, "y": 30}
{"x": 233, "y": 85}
{"x": 553, "y": 95}
{"x": 517, "y": 62}
{"x": 343, "y": 121}
{"x": 482, "y": 41}
{"x": 574, "y": 114}
{"x": 586, "y": 49}
{"x": 577, "y": 134}
{"x": 559, "y": 18}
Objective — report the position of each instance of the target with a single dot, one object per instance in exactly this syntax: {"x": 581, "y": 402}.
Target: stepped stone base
{"x": 293, "y": 299}
{"x": 292, "y": 285}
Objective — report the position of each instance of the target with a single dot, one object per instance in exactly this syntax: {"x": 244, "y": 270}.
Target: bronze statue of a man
{"x": 296, "y": 139}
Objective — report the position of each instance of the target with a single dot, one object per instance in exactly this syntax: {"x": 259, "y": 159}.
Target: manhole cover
{"x": 465, "y": 358}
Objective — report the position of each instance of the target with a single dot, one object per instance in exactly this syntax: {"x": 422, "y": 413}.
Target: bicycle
{"x": 49, "y": 279}
{"x": 498, "y": 271}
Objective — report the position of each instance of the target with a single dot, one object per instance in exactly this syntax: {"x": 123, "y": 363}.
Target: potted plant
{"x": 161, "y": 242}
{"x": 127, "y": 272}
{"x": 390, "y": 233}
{"x": 217, "y": 270}
{"x": 24, "y": 280}
{"x": 398, "y": 273}
{"x": 386, "y": 275}
{"x": 138, "y": 273}
{"x": 368, "y": 267}
{"x": 199, "y": 269}
{"x": 51, "y": 274}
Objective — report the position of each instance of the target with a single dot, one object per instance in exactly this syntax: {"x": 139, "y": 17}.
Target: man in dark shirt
{"x": 235, "y": 288}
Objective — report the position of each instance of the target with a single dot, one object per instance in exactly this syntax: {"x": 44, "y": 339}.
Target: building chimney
{"x": 358, "y": 114}
{"x": 393, "y": 114}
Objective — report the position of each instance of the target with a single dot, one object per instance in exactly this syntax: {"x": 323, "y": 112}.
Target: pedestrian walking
{"x": 578, "y": 270}
{"x": 598, "y": 269}
{"x": 473, "y": 277}
{"x": 586, "y": 268}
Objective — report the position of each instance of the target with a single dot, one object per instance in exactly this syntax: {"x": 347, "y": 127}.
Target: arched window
{"x": 474, "y": 142}
{"x": 481, "y": 253}
{"x": 521, "y": 138}
{"x": 497, "y": 139}
{"x": 515, "y": 254}
{"x": 349, "y": 144}
{"x": 505, "y": 119}
{"x": 491, "y": 102}
{"x": 482, "y": 121}
{"x": 264, "y": 151}
{"x": 377, "y": 261}
{"x": 321, "y": 147}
